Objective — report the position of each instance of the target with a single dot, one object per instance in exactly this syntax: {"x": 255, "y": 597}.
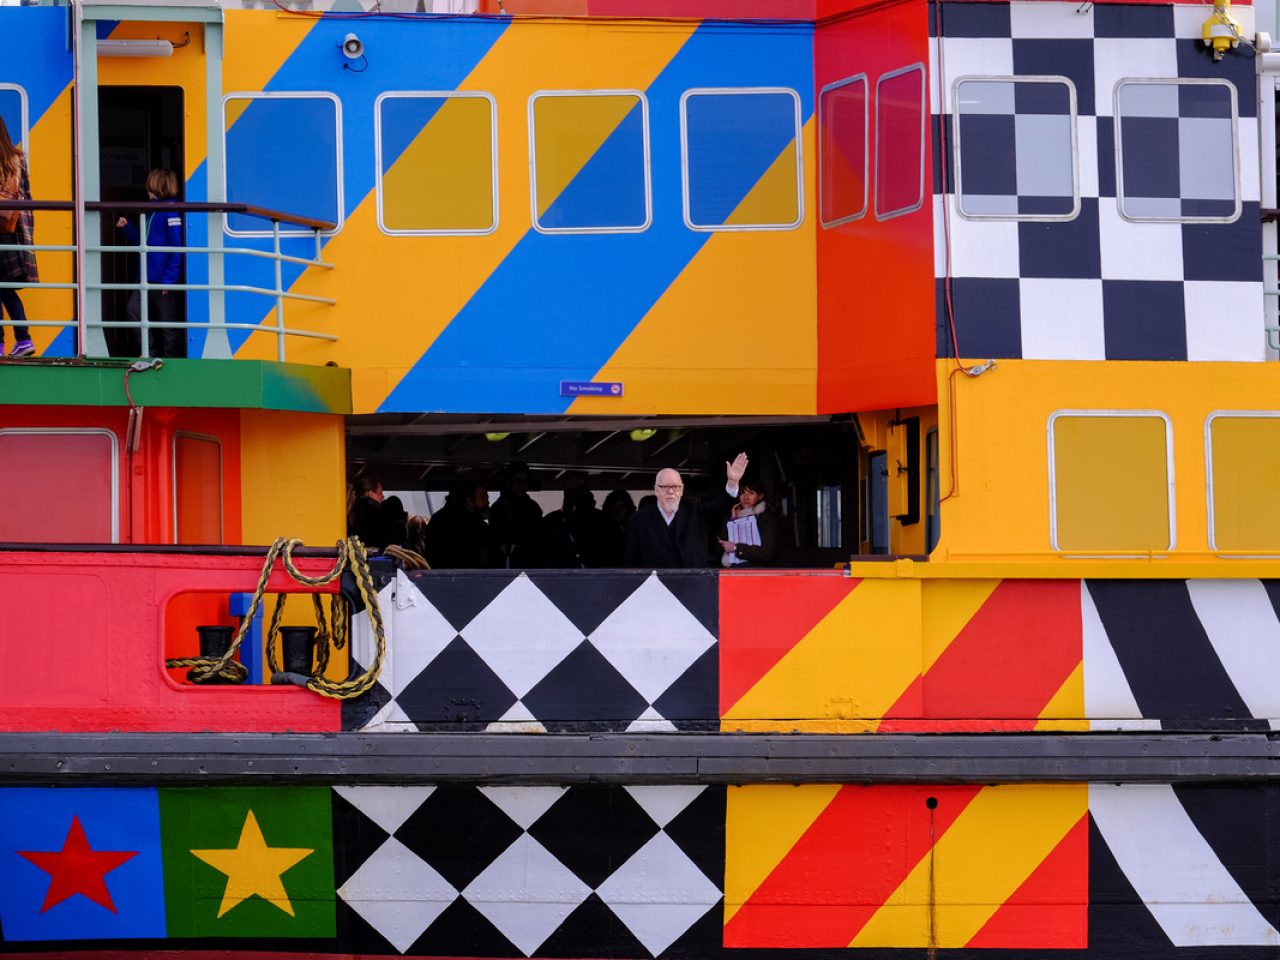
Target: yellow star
{"x": 253, "y": 868}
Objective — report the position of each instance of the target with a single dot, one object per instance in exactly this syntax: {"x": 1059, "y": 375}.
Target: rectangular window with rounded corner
{"x": 283, "y": 152}
{"x": 1111, "y": 481}
{"x": 900, "y": 116}
{"x": 1016, "y": 156}
{"x": 742, "y": 158}
{"x": 75, "y": 471}
{"x": 842, "y": 151}
{"x": 590, "y": 170}
{"x": 197, "y": 489}
{"x": 1242, "y": 462}
{"x": 437, "y": 163}
{"x": 13, "y": 111}
{"x": 1176, "y": 155}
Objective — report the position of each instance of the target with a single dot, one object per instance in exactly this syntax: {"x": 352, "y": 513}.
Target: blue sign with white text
{"x": 585, "y": 388}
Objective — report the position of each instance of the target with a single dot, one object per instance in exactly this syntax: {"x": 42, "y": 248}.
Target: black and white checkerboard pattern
{"x": 509, "y": 871}
{"x": 543, "y": 651}
{"x": 1097, "y": 285}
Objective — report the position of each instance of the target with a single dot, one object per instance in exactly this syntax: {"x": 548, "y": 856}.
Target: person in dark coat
{"x": 752, "y": 510}
{"x": 17, "y": 266}
{"x": 457, "y": 536}
{"x": 574, "y": 536}
{"x": 377, "y": 520}
{"x": 675, "y": 531}
{"x": 516, "y": 521}
{"x": 618, "y": 510}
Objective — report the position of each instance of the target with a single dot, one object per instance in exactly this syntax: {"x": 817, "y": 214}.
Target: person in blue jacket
{"x": 164, "y": 229}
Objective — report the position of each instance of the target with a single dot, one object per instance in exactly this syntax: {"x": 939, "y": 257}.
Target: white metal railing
{"x": 217, "y": 314}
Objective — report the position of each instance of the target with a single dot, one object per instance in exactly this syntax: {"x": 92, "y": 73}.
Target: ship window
{"x": 1110, "y": 481}
{"x": 590, "y": 161}
{"x": 437, "y": 163}
{"x": 1176, "y": 150}
{"x": 197, "y": 489}
{"x": 900, "y": 114}
{"x": 842, "y": 150}
{"x": 13, "y": 110}
{"x": 742, "y": 159}
{"x": 75, "y": 473}
{"x": 1015, "y": 148}
{"x": 1242, "y": 456}
{"x": 283, "y": 152}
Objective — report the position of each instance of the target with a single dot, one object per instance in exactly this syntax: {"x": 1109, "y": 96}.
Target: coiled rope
{"x": 351, "y": 555}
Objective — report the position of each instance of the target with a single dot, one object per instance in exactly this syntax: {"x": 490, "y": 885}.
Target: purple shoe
{"x": 23, "y": 348}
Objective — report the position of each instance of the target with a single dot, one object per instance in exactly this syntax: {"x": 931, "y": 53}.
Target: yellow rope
{"x": 351, "y": 555}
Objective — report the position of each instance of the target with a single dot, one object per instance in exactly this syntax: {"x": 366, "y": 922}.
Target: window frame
{"x": 222, "y": 495}
{"x": 24, "y": 113}
{"x": 86, "y": 431}
{"x": 1211, "y": 529}
{"x": 918, "y": 66}
{"x": 865, "y": 80}
{"x": 1169, "y": 477}
{"x": 1119, "y": 145}
{"x": 957, "y": 188}
{"x": 933, "y": 489}
{"x": 377, "y": 157}
{"x": 798, "y": 128}
{"x": 338, "y": 144}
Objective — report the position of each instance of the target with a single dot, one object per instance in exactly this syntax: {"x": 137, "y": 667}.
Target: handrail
{"x": 142, "y": 249}
{"x": 182, "y": 206}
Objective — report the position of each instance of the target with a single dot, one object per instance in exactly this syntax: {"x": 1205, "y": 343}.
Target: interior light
{"x": 496, "y": 437}
{"x": 135, "y": 48}
{"x": 640, "y": 436}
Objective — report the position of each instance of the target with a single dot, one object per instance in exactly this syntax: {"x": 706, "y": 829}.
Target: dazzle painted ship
{"x": 987, "y": 290}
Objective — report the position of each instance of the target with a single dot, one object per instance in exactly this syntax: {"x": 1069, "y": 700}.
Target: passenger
{"x": 618, "y": 508}
{"x": 457, "y": 536}
{"x": 417, "y": 534}
{"x": 16, "y": 228}
{"x": 675, "y": 532}
{"x": 751, "y": 536}
{"x": 516, "y": 521}
{"x": 163, "y": 268}
{"x": 376, "y": 519}
{"x": 574, "y": 536}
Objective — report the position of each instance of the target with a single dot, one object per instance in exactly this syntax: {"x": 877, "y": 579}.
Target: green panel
{"x": 251, "y": 384}
{"x": 248, "y": 862}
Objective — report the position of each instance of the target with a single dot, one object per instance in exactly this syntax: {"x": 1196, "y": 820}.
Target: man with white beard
{"x": 675, "y": 531}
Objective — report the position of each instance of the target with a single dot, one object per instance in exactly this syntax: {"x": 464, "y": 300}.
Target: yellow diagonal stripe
{"x": 991, "y": 848}
{"x": 855, "y": 663}
{"x": 948, "y": 606}
{"x": 762, "y": 824}
{"x": 737, "y": 285}
{"x": 452, "y": 269}
{"x": 1065, "y": 709}
{"x": 568, "y": 131}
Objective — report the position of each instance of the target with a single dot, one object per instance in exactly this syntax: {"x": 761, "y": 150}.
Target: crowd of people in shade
{"x": 730, "y": 527}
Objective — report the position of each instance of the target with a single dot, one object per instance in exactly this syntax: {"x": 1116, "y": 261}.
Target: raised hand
{"x": 735, "y": 470}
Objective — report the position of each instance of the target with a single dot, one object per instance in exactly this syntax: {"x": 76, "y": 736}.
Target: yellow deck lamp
{"x": 1221, "y": 31}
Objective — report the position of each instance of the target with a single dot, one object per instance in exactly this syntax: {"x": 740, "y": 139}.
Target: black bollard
{"x": 299, "y": 645}
{"x": 215, "y": 641}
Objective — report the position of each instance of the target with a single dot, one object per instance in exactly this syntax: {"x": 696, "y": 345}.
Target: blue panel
{"x": 404, "y": 54}
{"x": 403, "y": 118}
{"x": 1062, "y": 58}
{"x": 609, "y": 190}
{"x": 35, "y": 57}
{"x": 1149, "y": 151}
{"x": 1133, "y": 20}
{"x": 985, "y": 20}
{"x": 40, "y": 820}
{"x": 302, "y": 179}
{"x": 988, "y": 154}
{"x": 559, "y": 306}
{"x": 1224, "y": 251}
{"x": 732, "y": 138}
{"x": 11, "y": 113}
{"x": 988, "y": 317}
{"x": 1204, "y": 100}
{"x": 1065, "y": 248}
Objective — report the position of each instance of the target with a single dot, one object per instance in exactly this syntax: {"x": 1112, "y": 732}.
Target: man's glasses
{"x": 671, "y": 487}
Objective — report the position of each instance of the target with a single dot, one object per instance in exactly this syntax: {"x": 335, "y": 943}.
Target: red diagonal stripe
{"x": 1009, "y": 660}
{"x": 1051, "y": 908}
{"x": 762, "y": 617}
{"x": 845, "y": 867}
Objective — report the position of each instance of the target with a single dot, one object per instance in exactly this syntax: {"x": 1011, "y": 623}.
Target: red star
{"x": 77, "y": 869}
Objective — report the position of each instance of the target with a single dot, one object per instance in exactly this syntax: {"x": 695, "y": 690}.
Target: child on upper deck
{"x": 163, "y": 267}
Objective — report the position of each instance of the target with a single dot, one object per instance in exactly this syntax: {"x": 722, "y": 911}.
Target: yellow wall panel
{"x": 1111, "y": 483}
{"x": 281, "y": 455}
{"x": 774, "y": 199}
{"x": 1246, "y": 482}
{"x": 567, "y": 132}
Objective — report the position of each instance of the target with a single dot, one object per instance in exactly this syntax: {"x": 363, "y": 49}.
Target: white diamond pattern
{"x": 397, "y": 893}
